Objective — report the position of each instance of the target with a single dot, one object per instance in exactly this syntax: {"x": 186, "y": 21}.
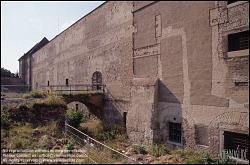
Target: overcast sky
{"x": 23, "y": 24}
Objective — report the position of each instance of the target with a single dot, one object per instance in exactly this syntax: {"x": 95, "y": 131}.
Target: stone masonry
{"x": 162, "y": 62}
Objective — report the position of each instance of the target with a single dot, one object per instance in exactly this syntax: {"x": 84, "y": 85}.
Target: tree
{"x": 6, "y": 73}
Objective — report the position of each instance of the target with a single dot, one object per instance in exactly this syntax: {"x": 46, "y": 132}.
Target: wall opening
{"x": 237, "y": 144}
{"x": 125, "y": 118}
{"x": 77, "y": 107}
{"x": 67, "y": 82}
{"x": 97, "y": 80}
{"x": 174, "y": 132}
{"x": 238, "y": 41}
{"x": 48, "y": 83}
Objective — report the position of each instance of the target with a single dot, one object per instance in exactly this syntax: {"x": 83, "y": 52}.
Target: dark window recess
{"x": 48, "y": 83}
{"x": 241, "y": 83}
{"x": 237, "y": 142}
{"x": 175, "y": 132}
{"x": 97, "y": 80}
{"x": 67, "y": 82}
{"x": 77, "y": 107}
{"x": 238, "y": 41}
{"x": 229, "y": 2}
{"x": 201, "y": 135}
{"x": 125, "y": 118}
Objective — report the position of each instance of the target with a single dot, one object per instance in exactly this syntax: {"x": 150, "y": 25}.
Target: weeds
{"x": 35, "y": 94}
{"x": 140, "y": 149}
{"x": 159, "y": 150}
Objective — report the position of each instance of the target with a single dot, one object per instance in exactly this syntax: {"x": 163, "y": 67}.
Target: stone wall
{"x": 185, "y": 44}
{"x": 100, "y": 41}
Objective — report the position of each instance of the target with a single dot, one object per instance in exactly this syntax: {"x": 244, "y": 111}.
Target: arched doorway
{"x": 97, "y": 80}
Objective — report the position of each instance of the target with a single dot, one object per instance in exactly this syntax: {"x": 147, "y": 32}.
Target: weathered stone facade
{"x": 161, "y": 62}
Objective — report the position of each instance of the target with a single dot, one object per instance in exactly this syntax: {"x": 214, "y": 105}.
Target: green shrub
{"x": 35, "y": 94}
{"x": 54, "y": 101}
{"x": 159, "y": 150}
{"x": 71, "y": 145}
{"x": 140, "y": 149}
{"x": 222, "y": 160}
{"x": 5, "y": 123}
{"x": 74, "y": 118}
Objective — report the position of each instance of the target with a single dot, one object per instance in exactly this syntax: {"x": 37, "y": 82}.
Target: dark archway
{"x": 97, "y": 80}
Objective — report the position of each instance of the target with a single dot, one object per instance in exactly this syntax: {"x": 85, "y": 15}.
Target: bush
{"x": 35, "y": 94}
{"x": 74, "y": 118}
{"x": 140, "y": 149}
{"x": 54, "y": 101}
{"x": 159, "y": 150}
{"x": 71, "y": 145}
{"x": 5, "y": 123}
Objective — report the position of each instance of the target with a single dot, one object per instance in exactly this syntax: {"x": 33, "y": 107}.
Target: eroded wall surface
{"x": 186, "y": 49}
{"x": 101, "y": 41}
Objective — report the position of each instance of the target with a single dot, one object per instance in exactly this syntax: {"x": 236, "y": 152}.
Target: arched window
{"x": 97, "y": 80}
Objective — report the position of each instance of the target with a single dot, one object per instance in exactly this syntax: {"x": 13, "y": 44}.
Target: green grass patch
{"x": 35, "y": 94}
{"x": 158, "y": 150}
{"x": 140, "y": 149}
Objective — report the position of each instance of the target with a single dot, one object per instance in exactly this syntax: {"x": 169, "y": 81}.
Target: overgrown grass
{"x": 140, "y": 149}
{"x": 20, "y": 136}
{"x": 158, "y": 150}
{"x": 24, "y": 136}
{"x": 35, "y": 94}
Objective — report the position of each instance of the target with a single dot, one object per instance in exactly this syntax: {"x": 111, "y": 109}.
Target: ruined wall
{"x": 186, "y": 51}
{"x": 101, "y": 41}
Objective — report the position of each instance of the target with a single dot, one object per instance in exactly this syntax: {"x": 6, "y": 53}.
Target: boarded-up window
{"x": 201, "y": 135}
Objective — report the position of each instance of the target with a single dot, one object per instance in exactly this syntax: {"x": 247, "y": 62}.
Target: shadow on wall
{"x": 112, "y": 111}
{"x": 81, "y": 108}
{"x": 167, "y": 120}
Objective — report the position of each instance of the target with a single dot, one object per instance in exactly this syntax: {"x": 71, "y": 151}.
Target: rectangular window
{"x": 67, "y": 82}
{"x": 175, "y": 132}
{"x": 237, "y": 144}
{"x": 77, "y": 107}
{"x": 238, "y": 41}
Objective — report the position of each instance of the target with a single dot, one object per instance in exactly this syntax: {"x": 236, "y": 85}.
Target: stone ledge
{"x": 152, "y": 81}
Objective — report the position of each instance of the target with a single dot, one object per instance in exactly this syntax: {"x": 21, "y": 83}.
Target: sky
{"x": 23, "y": 24}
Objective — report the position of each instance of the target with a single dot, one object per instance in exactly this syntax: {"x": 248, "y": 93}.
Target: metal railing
{"x": 73, "y": 88}
{"x": 15, "y": 88}
{"x": 97, "y": 151}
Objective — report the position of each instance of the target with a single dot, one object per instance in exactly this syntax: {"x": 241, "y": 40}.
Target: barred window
{"x": 175, "y": 132}
{"x": 238, "y": 41}
{"x": 237, "y": 142}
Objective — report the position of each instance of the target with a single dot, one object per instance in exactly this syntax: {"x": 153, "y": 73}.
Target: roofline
{"x": 37, "y": 44}
{"x": 79, "y": 20}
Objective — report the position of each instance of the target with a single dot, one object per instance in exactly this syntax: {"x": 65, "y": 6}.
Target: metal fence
{"x": 97, "y": 151}
{"x": 73, "y": 88}
{"x": 15, "y": 88}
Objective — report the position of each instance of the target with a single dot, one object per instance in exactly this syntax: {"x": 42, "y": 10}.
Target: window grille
{"x": 175, "y": 132}
{"x": 238, "y": 41}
